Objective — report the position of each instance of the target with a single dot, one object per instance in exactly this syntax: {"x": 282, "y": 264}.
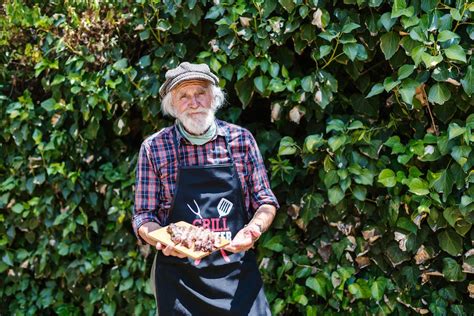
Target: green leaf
{"x": 92, "y": 129}
{"x": 145, "y": 61}
{"x": 417, "y": 54}
{"x": 455, "y": 52}
{"x": 446, "y": 35}
{"x": 405, "y": 71}
{"x": 337, "y": 141}
{"x": 274, "y": 69}
{"x": 360, "y": 289}
{"x": 454, "y": 130}
{"x": 261, "y": 83}
{"x": 331, "y": 178}
{"x": 110, "y": 308}
{"x": 375, "y": 3}
{"x": 335, "y": 125}
{"x": 313, "y": 142}
{"x": 387, "y": 21}
{"x": 399, "y": 8}
{"x": 394, "y": 143}
{"x": 7, "y": 258}
{"x": 307, "y": 84}
{"x": 452, "y": 215}
{"x": 389, "y": 84}
{"x": 450, "y": 242}
{"x": 452, "y": 270}
{"x": 312, "y": 206}
{"x": 460, "y": 154}
{"x": 355, "y": 125}
{"x": 458, "y": 310}
{"x": 335, "y": 195}
{"x": 163, "y": 25}
{"x": 349, "y": 27}
{"x": 431, "y": 61}
{"x": 407, "y": 224}
{"x": 244, "y": 89}
{"x": 429, "y": 5}
{"x": 376, "y": 89}
{"x": 120, "y": 64}
{"x": 288, "y": 5}
{"x": 17, "y": 208}
{"x": 359, "y": 192}
{"x": 389, "y": 43}
{"x": 274, "y": 244}
{"x": 126, "y": 284}
{"x": 439, "y": 93}
{"x": 49, "y": 104}
{"x": 366, "y": 177}
{"x": 324, "y": 50}
{"x": 318, "y": 285}
{"x": 418, "y": 186}
{"x": 387, "y": 178}
{"x": 350, "y": 50}
{"x": 395, "y": 255}
{"x": 227, "y": 71}
{"x": 277, "y": 85}
{"x": 144, "y": 35}
{"x": 58, "y": 79}
{"x": 279, "y": 305}
{"x": 438, "y": 309}
{"x": 378, "y": 288}
{"x": 408, "y": 90}
{"x": 444, "y": 184}
{"x": 468, "y": 81}
{"x": 287, "y": 146}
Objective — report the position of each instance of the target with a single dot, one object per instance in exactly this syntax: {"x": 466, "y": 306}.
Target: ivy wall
{"x": 363, "y": 111}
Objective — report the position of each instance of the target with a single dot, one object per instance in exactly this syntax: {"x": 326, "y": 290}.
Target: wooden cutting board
{"x": 164, "y": 237}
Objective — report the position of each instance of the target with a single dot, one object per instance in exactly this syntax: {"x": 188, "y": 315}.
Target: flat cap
{"x": 187, "y": 71}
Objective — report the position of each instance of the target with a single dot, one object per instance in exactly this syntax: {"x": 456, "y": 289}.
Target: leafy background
{"x": 362, "y": 110}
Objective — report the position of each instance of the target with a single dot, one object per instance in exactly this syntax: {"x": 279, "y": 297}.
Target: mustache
{"x": 197, "y": 112}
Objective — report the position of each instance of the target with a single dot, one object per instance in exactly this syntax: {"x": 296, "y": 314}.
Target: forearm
{"x": 263, "y": 217}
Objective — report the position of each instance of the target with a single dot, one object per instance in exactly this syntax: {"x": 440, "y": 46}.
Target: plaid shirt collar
{"x": 220, "y": 132}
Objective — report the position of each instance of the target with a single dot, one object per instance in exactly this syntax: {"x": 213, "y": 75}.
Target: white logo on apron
{"x": 198, "y": 212}
{"x": 224, "y": 207}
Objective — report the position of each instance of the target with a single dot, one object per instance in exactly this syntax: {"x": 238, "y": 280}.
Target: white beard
{"x": 197, "y": 124}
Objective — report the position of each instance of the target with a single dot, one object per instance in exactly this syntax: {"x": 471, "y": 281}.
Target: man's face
{"x": 192, "y": 103}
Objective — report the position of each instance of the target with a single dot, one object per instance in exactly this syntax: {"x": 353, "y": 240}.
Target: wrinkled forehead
{"x": 191, "y": 84}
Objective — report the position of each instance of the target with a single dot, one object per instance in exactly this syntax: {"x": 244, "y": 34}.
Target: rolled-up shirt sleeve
{"x": 147, "y": 184}
{"x": 259, "y": 186}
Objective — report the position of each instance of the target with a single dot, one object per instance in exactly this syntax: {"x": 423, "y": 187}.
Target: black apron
{"x": 221, "y": 283}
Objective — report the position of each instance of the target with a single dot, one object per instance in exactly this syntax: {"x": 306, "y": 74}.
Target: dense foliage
{"x": 361, "y": 108}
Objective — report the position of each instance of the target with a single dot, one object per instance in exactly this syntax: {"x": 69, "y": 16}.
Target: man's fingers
{"x": 170, "y": 251}
{"x": 180, "y": 255}
{"x": 235, "y": 249}
{"x": 241, "y": 240}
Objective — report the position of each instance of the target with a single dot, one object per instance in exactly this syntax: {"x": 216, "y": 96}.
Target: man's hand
{"x": 146, "y": 229}
{"x": 245, "y": 239}
{"x": 247, "y": 236}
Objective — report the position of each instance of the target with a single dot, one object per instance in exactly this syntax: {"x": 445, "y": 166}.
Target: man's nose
{"x": 194, "y": 102}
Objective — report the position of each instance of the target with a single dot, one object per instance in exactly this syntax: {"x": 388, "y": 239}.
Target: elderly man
{"x": 210, "y": 173}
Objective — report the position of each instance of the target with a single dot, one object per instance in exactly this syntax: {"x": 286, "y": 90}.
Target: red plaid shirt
{"x": 157, "y": 170}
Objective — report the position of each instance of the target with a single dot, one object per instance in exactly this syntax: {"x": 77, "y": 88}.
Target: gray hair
{"x": 218, "y": 99}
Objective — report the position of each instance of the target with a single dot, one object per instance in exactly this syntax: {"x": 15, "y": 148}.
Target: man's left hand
{"x": 245, "y": 239}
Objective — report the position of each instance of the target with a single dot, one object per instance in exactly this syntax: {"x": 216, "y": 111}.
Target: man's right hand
{"x": 144, "y": 232}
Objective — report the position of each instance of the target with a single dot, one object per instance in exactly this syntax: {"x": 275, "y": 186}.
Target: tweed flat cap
{"x": 186, "y": 71}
